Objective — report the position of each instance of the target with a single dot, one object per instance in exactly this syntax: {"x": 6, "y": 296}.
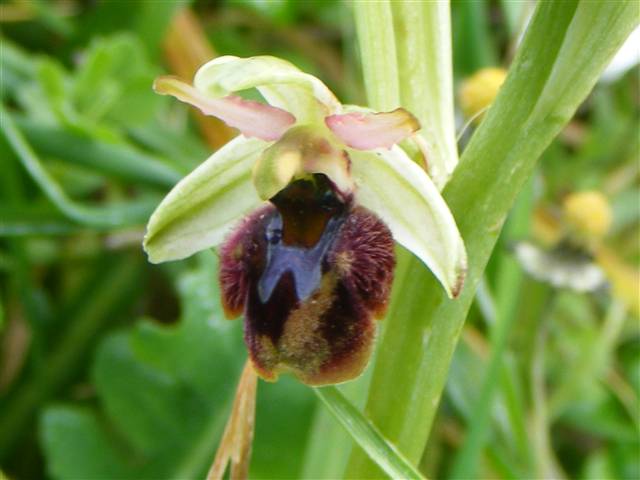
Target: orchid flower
{"x": 329, "y": 187}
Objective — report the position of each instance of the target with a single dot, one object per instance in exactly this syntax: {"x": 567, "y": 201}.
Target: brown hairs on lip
{"x": 324, "y": 334}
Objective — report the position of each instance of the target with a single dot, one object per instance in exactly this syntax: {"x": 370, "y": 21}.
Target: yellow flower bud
{"x": 478, "y": 91}
{"x": 587, "y": 214}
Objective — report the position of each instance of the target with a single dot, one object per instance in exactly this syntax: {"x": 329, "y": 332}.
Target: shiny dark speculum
{"x": 310, "y": 271}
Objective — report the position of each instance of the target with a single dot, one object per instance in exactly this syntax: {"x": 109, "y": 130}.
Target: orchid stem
{"x": 377, "y": 41}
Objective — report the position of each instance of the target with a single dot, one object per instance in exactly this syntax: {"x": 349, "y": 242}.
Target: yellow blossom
{"x": 479, "y": 91}
{"x": 588, "y": 215}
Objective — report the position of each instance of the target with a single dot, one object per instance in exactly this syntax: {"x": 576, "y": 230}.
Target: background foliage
{"x": 114, "y": 368}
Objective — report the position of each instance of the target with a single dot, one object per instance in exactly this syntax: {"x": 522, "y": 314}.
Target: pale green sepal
{"x": 203, "y": 206}
{"x": 279, "y": 82}
{"x": 390, "y": 184}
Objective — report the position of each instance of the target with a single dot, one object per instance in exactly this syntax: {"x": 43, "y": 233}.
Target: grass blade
{"x": 367, "y": 436}
{"x": 510, "y": 284}
{"x": 112, "y": 159}
{"x": 115, "y": 215}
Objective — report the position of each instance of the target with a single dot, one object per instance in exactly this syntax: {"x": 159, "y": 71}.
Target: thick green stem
{"x": 377, "y": 42}
{"x": 566, "y": 47}
{"x": 423, "y": 44}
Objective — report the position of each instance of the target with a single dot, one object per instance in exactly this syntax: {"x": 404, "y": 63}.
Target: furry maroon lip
{"x": 310, "y": 271}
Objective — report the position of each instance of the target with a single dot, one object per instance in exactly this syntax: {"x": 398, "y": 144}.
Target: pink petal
{"x": 366, "y": 131}
{"x": 253, "y": 119}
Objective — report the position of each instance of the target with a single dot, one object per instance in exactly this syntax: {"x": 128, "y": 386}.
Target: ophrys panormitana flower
{"x": 326, "y": 188}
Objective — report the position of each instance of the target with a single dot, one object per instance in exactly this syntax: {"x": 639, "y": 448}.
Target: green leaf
{"x": 164, "y": 393}
{"x": 367, "y": 436}
{"x": 110, "y": 215}
{"x": 16, "y": 60}
{"x": 284, "y": 412}
{"x": 119, "y": 160}
{"x": 114, "y": 82}
{"x": 473, "y": 48}
{"x": 55, "y": 85}
{"x": 103, "y": 297}
{"x": 110, "y": 89}
{"x": 78, "y": 430}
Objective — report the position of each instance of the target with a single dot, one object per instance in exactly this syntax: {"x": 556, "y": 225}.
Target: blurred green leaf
{"x": 110, "y": 215}
{"x": 118, "y": 160}
{"x": 153, "y": 20}
{"x": 15, "y": 64}
{"x": 114, "y": 81}
{"x": 108, "y": 91}
{"x": 281, "y": 12}
{"x": 515, "y": 15}
{"x": 284, "y": 412}
{"x": 473, "y": 45}
{"x": 105, "y": 294}
{"x": 598, "y": 466}
{"x": 147, "y": 20}
{"x": 510, "y": 281}
{"x": 164, "y": 394}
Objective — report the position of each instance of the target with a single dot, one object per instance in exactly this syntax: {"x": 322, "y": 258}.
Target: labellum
{"x": 310, "y": 271}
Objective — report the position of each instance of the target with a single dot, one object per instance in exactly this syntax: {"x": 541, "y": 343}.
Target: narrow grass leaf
{"x": 116, "y": 160}
{"x": 114, "y": 215}
{"x": 367, "y": 436}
